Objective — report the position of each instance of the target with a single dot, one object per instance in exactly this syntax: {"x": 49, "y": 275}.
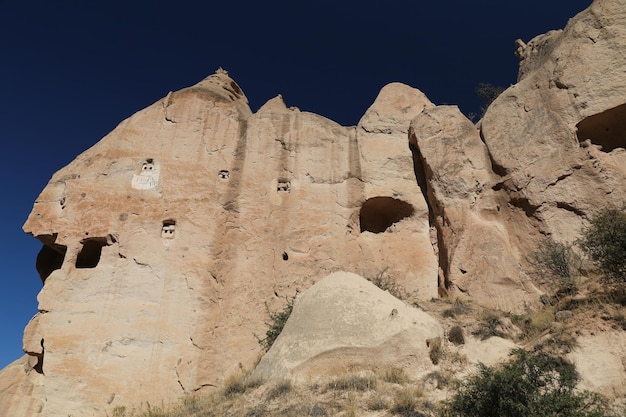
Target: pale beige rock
{"x": 347, "y": 324}
{"x": 21, "y": 389}
{"x": 165, "y": 241}
{"x": 386, "y": 166}
{"x": 600, "y": 359}
{"x": 571, "y": 88}
{"x": 476, "y": 232}
{"x": 489, "y": 351}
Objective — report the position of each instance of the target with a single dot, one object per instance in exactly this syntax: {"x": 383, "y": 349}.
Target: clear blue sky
{"x": 70, "y": 71}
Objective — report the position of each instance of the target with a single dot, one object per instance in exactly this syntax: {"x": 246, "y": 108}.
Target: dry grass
{"x": 389, "y": 392}
{"x": 280, "y": 389}
{"x": 394, "y": 376}
{"x": 534, "y": 323}
{"x": 239, "y": 384}
{"x": 407, "y": 401}
{"x": 459, "y": 307}
{"x": 353, "y": 382}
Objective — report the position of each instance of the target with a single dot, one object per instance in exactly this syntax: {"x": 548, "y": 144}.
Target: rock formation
{"x": 345, "y": 323}
{"x": 173, "y": 233}
{"x": 165, "y": 243}
{"x": 556, "y": 138}
{"x": 478, "y": 253}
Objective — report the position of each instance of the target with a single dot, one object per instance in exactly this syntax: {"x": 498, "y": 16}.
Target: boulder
{"x": 345, "y": 323}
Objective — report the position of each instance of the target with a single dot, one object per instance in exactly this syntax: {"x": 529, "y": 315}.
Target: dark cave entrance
{"x": 607, "y": 129}
{"x": 50, "y": 257}
{"x": 378, "y": 213}
{"x": 38, "y": 367}
{"x": 89, "y": 256}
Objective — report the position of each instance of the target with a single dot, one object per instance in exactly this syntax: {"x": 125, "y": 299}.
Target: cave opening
{"x": 378, "y": 213}
{"x": 50, "y": 257}
{"x": 38, "y": 367}
{"x": 606, "y": 129}
{"x": 90, "y": 254}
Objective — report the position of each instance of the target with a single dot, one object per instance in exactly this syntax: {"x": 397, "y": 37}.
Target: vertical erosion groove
{"x": 434, "y": 211}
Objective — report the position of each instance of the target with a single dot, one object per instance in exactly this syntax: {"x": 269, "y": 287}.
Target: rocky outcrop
{"x": 557, "y": 137}
{"x": 476, "y": 230}
{"x": 176, "y": 230}
{"x": 166, "y": 242}
{"x": 21, "y": 388}
{"x": 548, "y": 155}
{"x": 347, "y": 324}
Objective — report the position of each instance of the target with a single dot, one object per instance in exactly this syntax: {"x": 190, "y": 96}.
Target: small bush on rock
{"x": 458, "y": 307}
{"x": 278, "y": 319}
{"x": 456, "y": 335}
{"x": 531, "y": 385}
{"x": 389, "y": 284}
{"x": 605, "y": 243}
{"x": 559, "y": 261}
{"x": 487, "y": 93}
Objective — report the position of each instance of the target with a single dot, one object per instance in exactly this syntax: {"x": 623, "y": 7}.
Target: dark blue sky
{"x": 70, "y": 71}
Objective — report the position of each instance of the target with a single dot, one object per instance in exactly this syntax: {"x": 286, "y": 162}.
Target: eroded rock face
{"x": 549, "y": 155}
{"x": 21, "y": 388}
{"x": 557, "y": 137}
{"x": 600, "y": 359}
{"x": 476, "y": 230}
{"x": 164, "y": 242}
{"x": 345, "y": 324}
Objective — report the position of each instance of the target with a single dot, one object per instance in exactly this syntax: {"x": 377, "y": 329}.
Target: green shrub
{"x": 556, "y": 259}
{"x": 435, "y": 350}
{"x": 531, "y": 385}
{"x": 278, "y": 319}
{"x": 389, "y": 284}
{"x": 605, "y": 243}
{"x": 456, "y": 335}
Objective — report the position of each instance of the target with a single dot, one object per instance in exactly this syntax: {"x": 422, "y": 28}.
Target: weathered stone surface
{"x": 345, "y": 323}
{"x": 21, "y": 388}
{"x": 164, "y": 241}
{"x": 476, "y": 231}
{"x": 489, "y": 351}
{"x": 542, "y": 132}
{"x": 600, "y": 359}
{"x": 405, "y": 252}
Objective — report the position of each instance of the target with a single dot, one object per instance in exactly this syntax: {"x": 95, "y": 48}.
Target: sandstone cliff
{"x": 165, "y": 243}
